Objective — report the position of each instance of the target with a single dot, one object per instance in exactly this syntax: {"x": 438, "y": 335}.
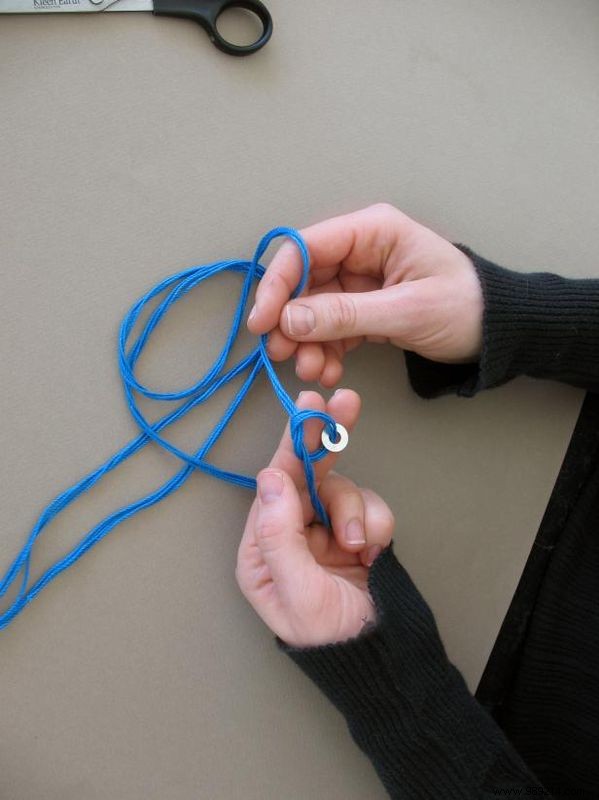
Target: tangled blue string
{"x": 169, "y": 291}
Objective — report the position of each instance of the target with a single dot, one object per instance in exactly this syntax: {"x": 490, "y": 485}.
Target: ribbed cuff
{"x": 537, "y": 324}
{"x": 373, "y": 660}
{"x": 405, "y": 704}
{"x": 431, "y": 379}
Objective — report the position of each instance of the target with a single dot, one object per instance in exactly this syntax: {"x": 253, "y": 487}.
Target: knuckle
{"x": 381, "y": 516}
{"x": 390, "y": 219}
{"x": 387, "y": 523}
{"x": 267, "y": 531}
{"x": 330, "y": 481}
{"x": 384, "y": 207}
{"x": 346, "y": 494}
{"x": 243, "y": 581}
{"x": 386, "y": 213}
{"x": 239, "y": 577}
{"x": 277, "y": 282}
{"x": 342, "y": 312}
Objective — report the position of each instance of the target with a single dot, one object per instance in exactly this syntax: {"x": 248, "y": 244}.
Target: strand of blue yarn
{"x": 167, "y": 293}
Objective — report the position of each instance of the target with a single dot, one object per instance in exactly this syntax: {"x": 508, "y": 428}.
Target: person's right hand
{"x": 377, "y": 275}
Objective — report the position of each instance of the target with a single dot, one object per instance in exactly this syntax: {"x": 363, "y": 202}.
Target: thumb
{"x": 279, "y": 530}
{"x": 341, "y": 315}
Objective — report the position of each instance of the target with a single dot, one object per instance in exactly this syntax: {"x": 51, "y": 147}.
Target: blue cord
{"x": 170, "y": 290}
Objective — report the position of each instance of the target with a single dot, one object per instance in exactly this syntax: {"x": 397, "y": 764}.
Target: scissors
{"x": 205, "y": 12}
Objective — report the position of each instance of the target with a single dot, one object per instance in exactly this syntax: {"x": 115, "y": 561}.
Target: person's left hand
{"x": 308, "y": 586}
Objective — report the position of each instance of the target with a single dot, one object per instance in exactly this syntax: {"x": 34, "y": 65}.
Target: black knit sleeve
{"x": 407, "y": 707}
{"x": 537, "y": 324}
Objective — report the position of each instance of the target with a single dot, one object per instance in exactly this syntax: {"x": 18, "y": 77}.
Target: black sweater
{"x": 406, "y": 706}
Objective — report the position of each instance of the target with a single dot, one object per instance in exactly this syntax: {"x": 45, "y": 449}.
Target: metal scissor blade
{"x": 48, "y": 6}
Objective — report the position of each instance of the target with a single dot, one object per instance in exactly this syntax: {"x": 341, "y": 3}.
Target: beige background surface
{"x": 131, "y": 148}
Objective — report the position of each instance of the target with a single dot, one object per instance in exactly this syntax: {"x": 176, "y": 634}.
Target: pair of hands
{"x": 375, "y": 275}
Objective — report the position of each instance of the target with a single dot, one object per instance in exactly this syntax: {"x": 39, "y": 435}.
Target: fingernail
{"x": 270, "y": 486}
{"x": 300, "y": 319}
{"x": 252, "y": 313}
{"x": 354, "y": 532}
{"x": 373, "y": 552}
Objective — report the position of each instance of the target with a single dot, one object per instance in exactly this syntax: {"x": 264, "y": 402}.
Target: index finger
{"x": 328, "y": 243}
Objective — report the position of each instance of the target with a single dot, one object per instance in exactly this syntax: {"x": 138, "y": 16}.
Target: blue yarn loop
{"x": 130, "y": 347}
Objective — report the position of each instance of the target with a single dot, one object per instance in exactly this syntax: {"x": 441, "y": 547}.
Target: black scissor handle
{"x": 206, "y": 13}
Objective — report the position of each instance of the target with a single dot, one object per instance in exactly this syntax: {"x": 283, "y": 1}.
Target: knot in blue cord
{"x": 130, "y": 347}
{"x": 296, "y": 424}
{"x": 296, "y": 427}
